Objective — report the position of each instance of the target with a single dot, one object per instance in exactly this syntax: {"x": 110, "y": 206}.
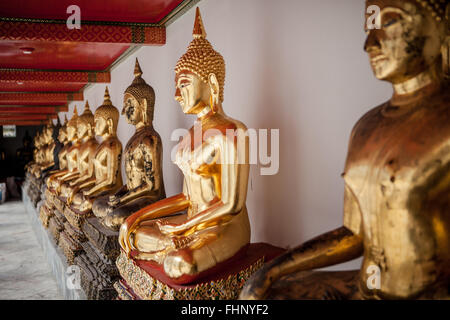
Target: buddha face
{"x": 83, "y": 129}
{"x": 101, "y": 126}
{"x": 191, "y": 92}
{"x": 49, "y": 134}
{"x": 132, "y": 109}
{"x": 62, "y": 134}
{"x": 71, "y": 132}
{"x": 407, "y": 43}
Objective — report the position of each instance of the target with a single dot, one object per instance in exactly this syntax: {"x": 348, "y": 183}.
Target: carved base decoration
{"x": 224, "y": 283}
{"x": 97, "y": 262}
{"x": 75, "y": 217}
{"x": 104, "y": 239}
{"x": 70, "y": 247}
{"x": 34, "y": 189}
{"x": 55, "y": 228}
{"x": 98, "y": 273}
{"x": 59, "y": 203}
{"x": 45, "y": 214}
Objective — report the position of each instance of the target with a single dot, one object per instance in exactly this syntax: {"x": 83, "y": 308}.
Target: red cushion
{"x": 243, "y": 259}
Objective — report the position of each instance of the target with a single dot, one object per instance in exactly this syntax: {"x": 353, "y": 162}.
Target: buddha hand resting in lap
{"x": 143, "y": 159}
{"x": 85, "y": 155}
{"x": 216, "y": 224}
{"x": 107, "y": 176}
{"x": 396, "y": 203}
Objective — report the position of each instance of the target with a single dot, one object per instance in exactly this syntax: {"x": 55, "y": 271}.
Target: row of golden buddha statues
{"x": 134, "y": 243}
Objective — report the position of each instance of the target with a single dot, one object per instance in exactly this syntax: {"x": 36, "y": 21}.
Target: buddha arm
{"x": 232, "y": 189}
{"x": 56, "y": 175}
{"x": 156, "y": 210}
{"x": 86, "y": 184}
{"x": 152, "y": 184}
{"x": 331, "y": 248}
{"x": 113, "y": 162}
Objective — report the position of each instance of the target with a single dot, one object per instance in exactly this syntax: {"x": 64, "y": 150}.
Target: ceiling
{"x": 44, "y": 65}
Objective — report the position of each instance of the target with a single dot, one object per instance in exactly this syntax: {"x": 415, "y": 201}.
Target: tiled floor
{"x": 24, "y": 272}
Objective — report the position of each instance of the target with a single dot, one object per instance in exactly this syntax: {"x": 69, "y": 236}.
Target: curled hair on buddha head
{"x": 86, "y": 117}
{"x": 201, "y": 59}
{"x": 140, "y": 90}
{"x": 440, "y": 11}
{"x": 74, "y": 120}
{"x": 107, "y": 111}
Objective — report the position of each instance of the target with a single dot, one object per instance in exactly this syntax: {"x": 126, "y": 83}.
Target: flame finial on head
{"x": 199, "y": 29}
{"x": 87, "y": 108}
{"x": 137, "y": 69}
{"x": 106, "y": 97}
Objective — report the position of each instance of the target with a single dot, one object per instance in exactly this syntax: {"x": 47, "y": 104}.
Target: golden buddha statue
{"x": 36, "y": 156}
{"x": 107, "y": 175}
{"x": 143, "y": 159}
{"x": 66, "y": 137}
{"x": 41, "y": 141}
{"x": 86, "y": 153}
{"x": 64, "y": 140}
{"x": 216, "y": 225}
{"x": 46, "y": 211}
{"x": 52, "y": 148}
{"x": 396, "y": 175}
{"x": 71, "y": 156}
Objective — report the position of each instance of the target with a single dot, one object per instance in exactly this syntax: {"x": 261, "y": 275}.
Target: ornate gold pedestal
{"x": 97, "y": 261}
{"x": 141, "y": 280}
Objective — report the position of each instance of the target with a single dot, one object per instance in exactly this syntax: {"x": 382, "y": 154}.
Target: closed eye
{"x": 389, "y": 23}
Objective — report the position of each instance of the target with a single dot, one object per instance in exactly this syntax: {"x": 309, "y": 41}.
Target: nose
{"x": 372, "y": 40}
{"x": 123, "y": 110}
{"x": 177, "y": 95}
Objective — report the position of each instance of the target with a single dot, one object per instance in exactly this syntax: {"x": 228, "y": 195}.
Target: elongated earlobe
{"x": 144, "y": 111}
{"x": 215, "y": 91}
{"x": 110, "y": 126}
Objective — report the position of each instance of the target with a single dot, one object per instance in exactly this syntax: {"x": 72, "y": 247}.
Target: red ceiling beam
{"x": 38, "y": 98}
{"x": 32, "y": 110}
{"x": 11, "y": 29}
{"x": 23, "y": 123}
{"x": 8, "y": 75}
{"x": 13, "y": 117}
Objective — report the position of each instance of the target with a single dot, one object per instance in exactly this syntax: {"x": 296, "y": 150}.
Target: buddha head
{"x": 199, "y": 73}
{"x": 62, "y": 133}
{"x": 106, "y": 117}
{"x": 85, "y": 123}
{"x": 72, "y": 126}
{"x": 37, "y": 140}
{"x": 48, "y": 131}
{"x": 410, "y": 40}
{"x": 139, "y": 100}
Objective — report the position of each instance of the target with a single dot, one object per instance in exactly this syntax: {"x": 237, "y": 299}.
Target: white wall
{"x": 297, "y": 66}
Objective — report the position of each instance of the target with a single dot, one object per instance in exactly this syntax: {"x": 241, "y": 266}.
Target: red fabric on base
{"x": 243, "y": 259}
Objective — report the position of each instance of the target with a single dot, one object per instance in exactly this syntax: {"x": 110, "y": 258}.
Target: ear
{"x": 110, "y": 125}
{"x": 445, "y": 47}
{"x": 144, "y": 110}
{"x": 215, "y": 90}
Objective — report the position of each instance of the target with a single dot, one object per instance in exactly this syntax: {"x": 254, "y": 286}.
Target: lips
{"x": 377, "y": 58}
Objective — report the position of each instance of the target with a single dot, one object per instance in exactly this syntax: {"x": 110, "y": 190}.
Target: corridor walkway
{"x": 24, "y": 272}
